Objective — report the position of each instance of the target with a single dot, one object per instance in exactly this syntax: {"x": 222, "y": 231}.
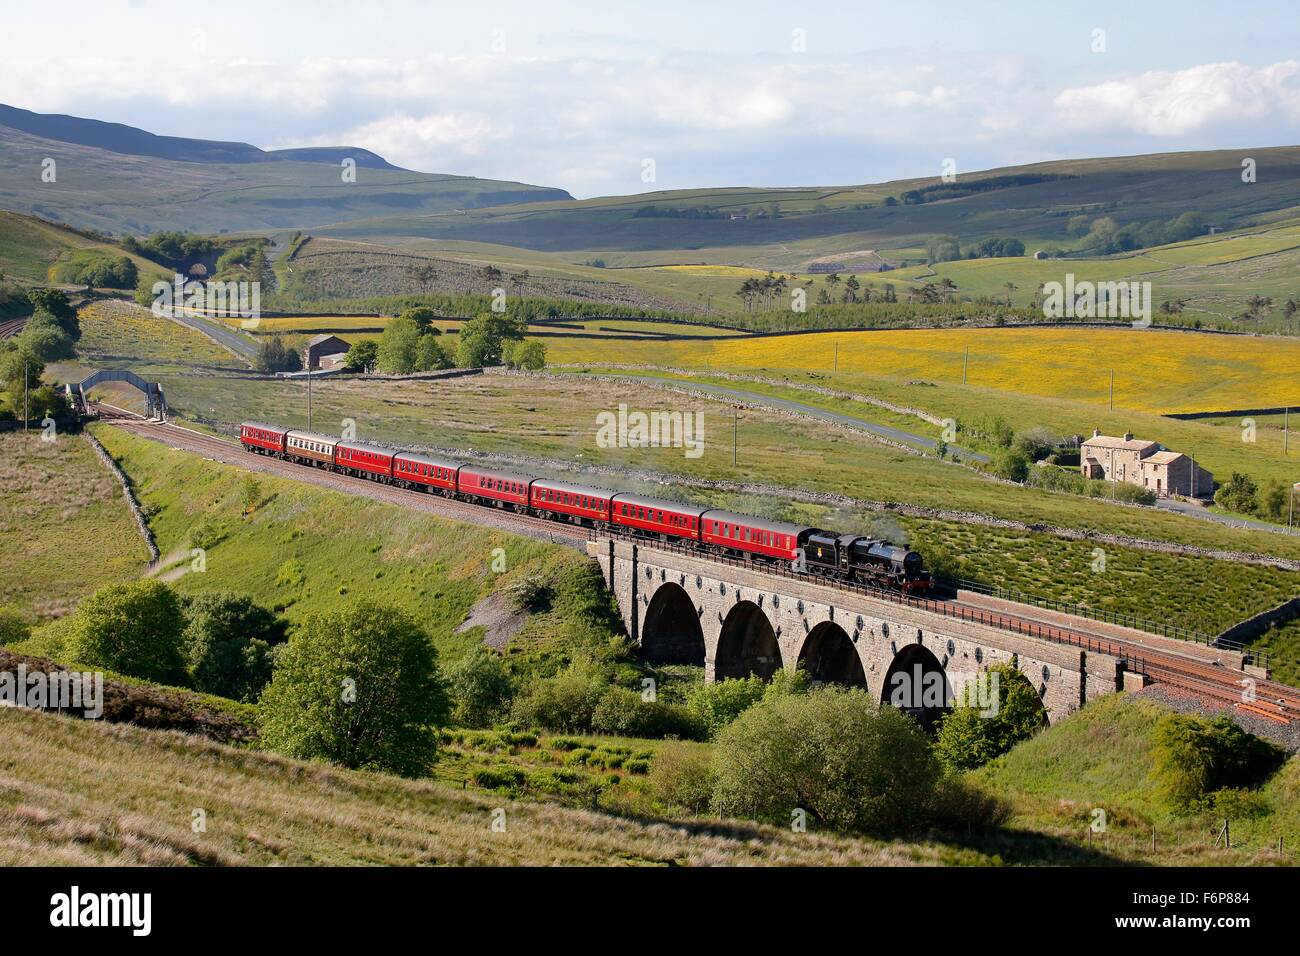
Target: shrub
{"x": 529, "y": 594}
{"x": 1240, "y": 494}
{"x": 13, "y": 627}
{"x": 681, "y": 776}
{"x": 502, "y": 777}
{"x": 230, "y": 644}
{"x": 970, "y": 737}
{"x": 636, "y": 765}
{"x": 1195, "y": 757}
{"x": 565, "y": 702}
{"x": 358, "y": 686}
{"x": 480, "y": 688}
{"x": 622, "y": 712}
{"x": 717, "y": 704}
{"x": 134, "y": 629}
{"x": 1011, "y": 464}
{"x": 832, "y": 753}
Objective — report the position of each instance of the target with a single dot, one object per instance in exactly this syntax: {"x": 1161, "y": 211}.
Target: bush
{"x": 13, "y": 627}
{"x": 230, "y": 644}
{"x": 833, "y": 753}
{"x": 529, "y": 595}
{"x": 1011, "y": 464}
{"x": 480, "y": 688}
{"x": 502, "y": 777}
{"x": 717, "y": 704}
{"x": 970, "y": 737}
{"x": 274, "y": 356}
{"x": 1195, "y": 757}
{"x": 566, "y": 702}
{"x": 358, "y": 686}
{"x": 1240, "y": 494}
{"x": 135, "y": 629}
{"x": 681, "y": 776}
{"x": 623, "y": 713}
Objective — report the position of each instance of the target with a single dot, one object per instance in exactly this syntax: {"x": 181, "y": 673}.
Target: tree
{"x": 133, "y": 628}
{"x": 943, "y": 249}
{"x": 833, "y": 753}
{"x": 250, "y": 494}
{"x": 358, "y": 686}
{"x": 1240, "y": 494}
{"x": 1103, "y": 235}
{"x": 229, "y": 644}
{"x": 481, "y": 339}
{"x": 55, "y": 303}
{"x": 480, "y": 688}
{"x": 1011, "y": 463}
{"x": 432, "y": 356}
{"x": 399, "y": 347}
{"x": 14, "y": 628}
{"x": 422, "y": 316}
{"x": 46, "y": 339}
{"x": 274, "y": 356}
{"x": 529, "y": 354}
{"x": 970, "y": 736}
{"x": 362, "y": 356}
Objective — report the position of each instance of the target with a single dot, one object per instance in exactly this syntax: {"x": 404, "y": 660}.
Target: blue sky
{"x": 580, "y": 95}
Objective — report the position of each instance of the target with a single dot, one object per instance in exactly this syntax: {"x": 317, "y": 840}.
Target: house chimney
{"x": 1128, "y": 436}
{"x": 1096, "y": 433}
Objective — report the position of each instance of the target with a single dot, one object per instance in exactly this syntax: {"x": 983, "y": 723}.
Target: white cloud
{"x": 584, "y": 122}
{"x": 1173, "y": 103}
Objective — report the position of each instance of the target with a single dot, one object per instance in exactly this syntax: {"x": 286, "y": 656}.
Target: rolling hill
{"x": 119, "y": 179}
{"x": 1033, "y": 202}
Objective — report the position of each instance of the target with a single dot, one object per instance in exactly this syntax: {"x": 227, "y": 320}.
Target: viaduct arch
{"x": 739, "y": 620}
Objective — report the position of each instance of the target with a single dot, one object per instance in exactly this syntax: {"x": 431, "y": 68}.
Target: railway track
{"x": 11, "y": 328}
{"x": 1258, "y": 696}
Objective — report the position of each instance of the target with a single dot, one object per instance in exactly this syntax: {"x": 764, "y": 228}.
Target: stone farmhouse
{"x": 1144, "y": 463}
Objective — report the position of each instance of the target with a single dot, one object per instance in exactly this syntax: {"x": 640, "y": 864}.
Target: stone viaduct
{"x": 737, "y": 620}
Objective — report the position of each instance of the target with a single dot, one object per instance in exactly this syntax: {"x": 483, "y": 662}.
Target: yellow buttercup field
{"x": 1155, "y": 371}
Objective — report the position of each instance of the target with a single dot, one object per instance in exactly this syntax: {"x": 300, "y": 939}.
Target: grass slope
{"x": 65, "y": 529}
{"x": 307, "y": 549}
{"x": 1102, "y": 758}
{"x": 79, "y": 793}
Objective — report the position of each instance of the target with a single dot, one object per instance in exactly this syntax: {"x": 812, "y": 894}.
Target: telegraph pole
{"x": 735, "y": 434}
{"x": 309, "y": 390}
{"x": 965, "y": 365}
{"x": 27, "y": 415}
{"x": 1286, "y": 430}
{"x": 1112, "y": 390}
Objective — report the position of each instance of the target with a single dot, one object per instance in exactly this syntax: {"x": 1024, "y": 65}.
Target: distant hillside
{"x": 120, "y": 179}
{"x": 118, "y": 138}
{"x": 789, "y": 229}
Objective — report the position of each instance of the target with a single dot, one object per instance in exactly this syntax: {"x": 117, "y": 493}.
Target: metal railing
{"x": 1113, "y": 617}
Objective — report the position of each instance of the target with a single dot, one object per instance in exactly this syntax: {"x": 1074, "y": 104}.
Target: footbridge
{"x": 155, "y": 401}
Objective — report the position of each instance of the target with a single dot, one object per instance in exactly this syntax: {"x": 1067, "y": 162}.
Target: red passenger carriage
{"x": 500, "y": 487}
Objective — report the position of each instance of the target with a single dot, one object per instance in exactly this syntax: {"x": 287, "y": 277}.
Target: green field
{"x": 65, "y": 528}
{"x": 30, "y": 246}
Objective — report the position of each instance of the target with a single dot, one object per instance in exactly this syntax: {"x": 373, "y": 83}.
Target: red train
{"x": 811, "y": 550}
